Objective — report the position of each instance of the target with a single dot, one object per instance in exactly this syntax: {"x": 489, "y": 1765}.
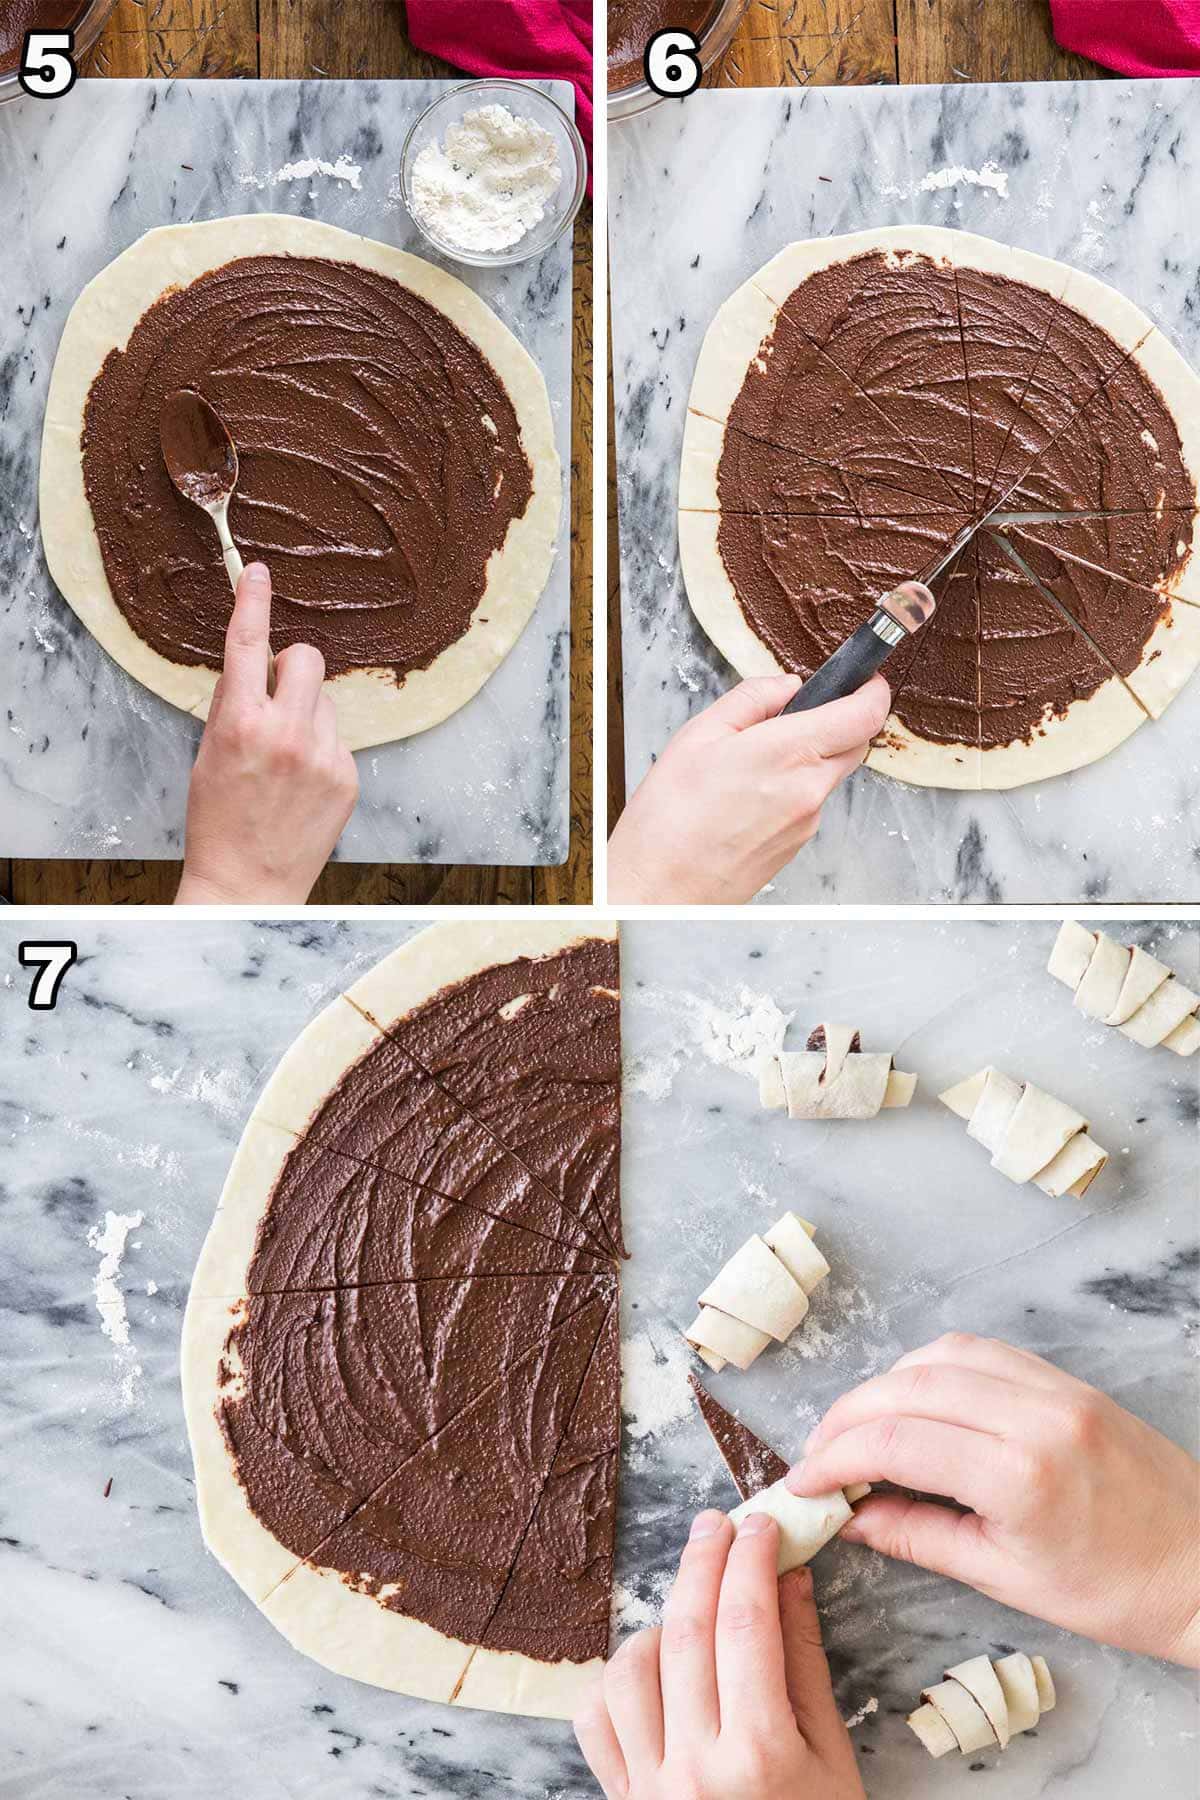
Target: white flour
{"x": 489, "y": 182}
{"x": 733, "y": 1037}
{"x": 654, "y": 1385}
{"x": 989, "y": 176}
{"x": 110, "y": 1240}
{"x": 341, "y": 170}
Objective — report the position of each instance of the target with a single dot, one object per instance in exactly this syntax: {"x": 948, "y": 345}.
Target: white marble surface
{"x": 703, "y": 192}
{"x": 144, "y": 1672}
{"x": 91, "y": 763}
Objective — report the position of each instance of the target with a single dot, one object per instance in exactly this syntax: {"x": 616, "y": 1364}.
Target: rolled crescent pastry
{"x": 805, "y": 1524}
{"x": 1030, "y": 1135}
{"x": 981, "y": 1704}
{"x": 761, "y": 1294}
{"x": 833, "y": 1078}
{"x": 1126, "y": 988}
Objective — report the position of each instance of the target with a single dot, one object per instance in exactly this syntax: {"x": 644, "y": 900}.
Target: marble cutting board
{"x": 145, "y": 1672}
{"x": 91, "y": 763}
{"x": 702, "y": 193}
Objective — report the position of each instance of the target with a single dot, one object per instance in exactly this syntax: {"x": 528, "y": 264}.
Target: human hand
{"x": 1080, "y": 1513}
{"x": 737, "y": 792}
{"x": 273, "y": 784}
{"x": 731, "y": 1699}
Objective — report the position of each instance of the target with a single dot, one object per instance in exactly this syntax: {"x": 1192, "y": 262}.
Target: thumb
{"x": 809, "y": 1685}
{"x": 839, "y": 725}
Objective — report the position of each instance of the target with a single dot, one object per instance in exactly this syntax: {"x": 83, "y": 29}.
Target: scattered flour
{"x": 632, "y": 1611}
{"x": 341, "y": 170}
{"x": 954, "y": 175}
{"x": 864, "y": 1712}
{"x": 486, "y": 186}
{"x": 109, "y": 1239}
{"x": 733, "y": 1037}
{"x": 740, "y": 1036}
{"x": 654, "y": 1385}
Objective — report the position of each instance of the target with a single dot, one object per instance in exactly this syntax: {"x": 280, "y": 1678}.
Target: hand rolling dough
{"x": 806, "y": 1525}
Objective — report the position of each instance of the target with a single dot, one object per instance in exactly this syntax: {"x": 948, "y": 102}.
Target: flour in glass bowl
{"x": 488, "y": 183}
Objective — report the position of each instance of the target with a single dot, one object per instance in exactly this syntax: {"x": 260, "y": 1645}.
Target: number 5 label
{"x": 672, "y": 63}
{"x": 47, "y": 64}
{"x": 51, "y": 960}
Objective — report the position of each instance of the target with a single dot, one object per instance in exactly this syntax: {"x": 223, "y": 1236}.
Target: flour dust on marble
{"x": 306, "y": 169}
{"x": 109, "y": 1237}
{"x": 734, "y": 1035}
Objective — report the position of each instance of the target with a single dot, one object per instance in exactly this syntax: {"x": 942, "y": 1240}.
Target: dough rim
{"x": 371, "y": 707}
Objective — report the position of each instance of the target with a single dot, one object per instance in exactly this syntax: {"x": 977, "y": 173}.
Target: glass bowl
{"x": 93, "y": 17}
{"x": 715, "y": 39}
{"x": 525, "y": 101}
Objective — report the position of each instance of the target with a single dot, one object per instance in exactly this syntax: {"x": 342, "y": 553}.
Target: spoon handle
{"x": 229, "y": 550}
{"x": 234, "y": 568}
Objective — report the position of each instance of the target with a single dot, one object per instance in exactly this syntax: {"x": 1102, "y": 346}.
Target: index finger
{"x": 689, "y": 1680}
{"x": 248, "y": 638}
{"x": 751, "y": 1676}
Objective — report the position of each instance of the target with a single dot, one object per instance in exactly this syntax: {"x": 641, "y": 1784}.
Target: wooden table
{"x": 343, "y": 39}
{"x": 828, "y": 43}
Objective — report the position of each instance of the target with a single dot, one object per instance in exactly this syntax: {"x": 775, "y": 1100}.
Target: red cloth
{"x": 1135, "y": 37}
{"x": 541, "y": 40}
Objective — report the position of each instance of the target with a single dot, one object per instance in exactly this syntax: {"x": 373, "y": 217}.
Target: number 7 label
{"x": 51, "y": 960}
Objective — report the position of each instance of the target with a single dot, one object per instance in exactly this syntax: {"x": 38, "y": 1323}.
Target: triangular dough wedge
{"x": 1049, "y": 702}
{"x": 560, "y": 1586}
{"x": 355, "y": 1603}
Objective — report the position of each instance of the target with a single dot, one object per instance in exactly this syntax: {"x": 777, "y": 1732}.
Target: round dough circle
{"x": 338, "y": 1624}
{"x": 738, "y": 343}
{"x": 371, "y": 707}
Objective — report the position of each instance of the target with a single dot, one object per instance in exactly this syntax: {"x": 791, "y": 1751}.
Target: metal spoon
{"x": 202, "y": 461}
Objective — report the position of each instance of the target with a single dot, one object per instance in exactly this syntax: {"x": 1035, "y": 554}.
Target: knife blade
{"x": 943, "y": 561}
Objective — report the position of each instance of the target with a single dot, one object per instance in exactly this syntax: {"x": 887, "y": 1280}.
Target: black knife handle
{"x": 851, "y": 665}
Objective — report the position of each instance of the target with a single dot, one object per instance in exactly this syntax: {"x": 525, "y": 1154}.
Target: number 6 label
{"x": 672, "y": 63}
{"x": 47, "y": 64}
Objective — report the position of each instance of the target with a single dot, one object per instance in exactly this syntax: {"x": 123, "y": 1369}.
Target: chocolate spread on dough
{"x": 381, "y": 464}
{"x": 753, "y": 1464}
{"x": 424, "y": 1378}
{"x": 632, "y": 23}
{"x": 897, "y": 399}
{"x": 816, "y": 1041}
{"x": 19, "y": 16}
